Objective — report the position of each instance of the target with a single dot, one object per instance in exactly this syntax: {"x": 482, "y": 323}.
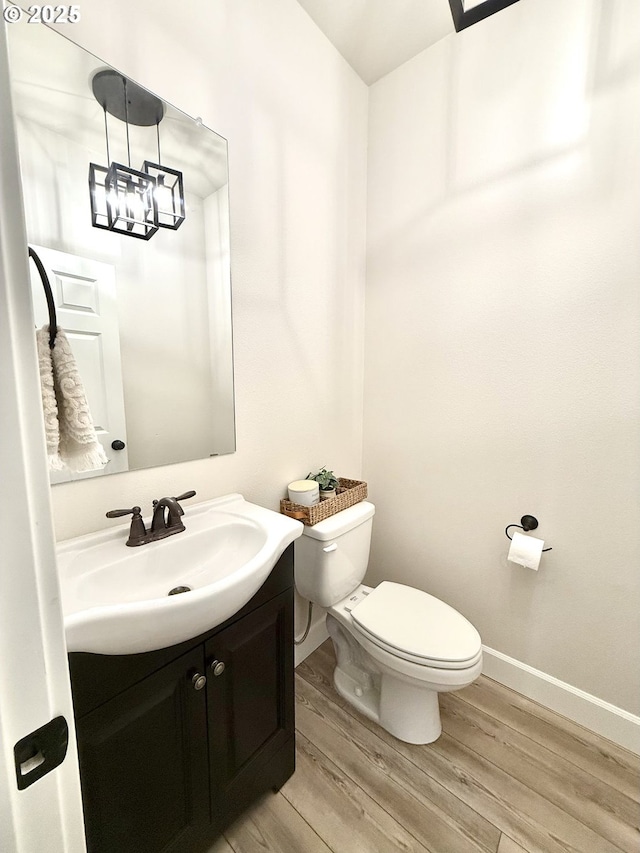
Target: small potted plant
{"x": 327, "y": 483}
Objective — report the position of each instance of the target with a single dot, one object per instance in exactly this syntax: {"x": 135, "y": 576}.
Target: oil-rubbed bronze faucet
{"x": 166, "y": 520}
{"x": 166, "y": 516}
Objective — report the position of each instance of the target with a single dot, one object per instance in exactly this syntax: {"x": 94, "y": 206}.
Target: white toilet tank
{"x": 331, "y": 557}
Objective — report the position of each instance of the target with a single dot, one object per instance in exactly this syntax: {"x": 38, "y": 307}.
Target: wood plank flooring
{"x": 506, "y": 776}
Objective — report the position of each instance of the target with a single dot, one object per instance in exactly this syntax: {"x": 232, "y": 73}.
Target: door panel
{"x": 250, "y": 705}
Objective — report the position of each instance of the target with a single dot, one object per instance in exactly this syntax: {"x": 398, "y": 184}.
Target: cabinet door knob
{"x": 198, "y": 680}
{"x": 217, "y": 667}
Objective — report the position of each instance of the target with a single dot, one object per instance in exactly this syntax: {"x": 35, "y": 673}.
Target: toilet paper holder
{"x": 527, "y": 523}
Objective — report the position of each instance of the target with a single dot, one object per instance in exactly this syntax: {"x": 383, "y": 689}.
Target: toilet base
{"x": 366, "y": 700}
{"x": 408, "y": 711}
{"x": 410, "y": 714}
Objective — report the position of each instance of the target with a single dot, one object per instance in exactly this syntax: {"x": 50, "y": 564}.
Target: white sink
{"x": 116, "y": 599}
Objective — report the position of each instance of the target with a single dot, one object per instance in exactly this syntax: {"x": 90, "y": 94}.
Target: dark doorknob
{"x": 118, "y": 445}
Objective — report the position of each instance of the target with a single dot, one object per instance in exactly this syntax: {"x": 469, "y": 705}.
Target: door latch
{"x": 41, "y": 751}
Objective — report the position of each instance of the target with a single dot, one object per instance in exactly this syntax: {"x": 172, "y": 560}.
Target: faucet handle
{"x": 137, "y": 532}
{"x": 117, "y": 513}
{"x": 186, "y": 495}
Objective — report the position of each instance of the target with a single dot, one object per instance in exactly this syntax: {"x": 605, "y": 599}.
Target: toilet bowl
{"x": 396, "y": 647}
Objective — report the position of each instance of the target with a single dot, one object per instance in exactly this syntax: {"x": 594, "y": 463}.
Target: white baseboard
{"x": 317, "y": 635}
{"x": 601, "y": 717}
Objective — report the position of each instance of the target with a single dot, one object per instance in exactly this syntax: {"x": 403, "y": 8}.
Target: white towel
{"x": 71, "y": 437}
{"x": 49, "y": 403}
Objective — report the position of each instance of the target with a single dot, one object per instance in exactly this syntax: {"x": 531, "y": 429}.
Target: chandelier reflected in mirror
{"x": 135, "y": 202}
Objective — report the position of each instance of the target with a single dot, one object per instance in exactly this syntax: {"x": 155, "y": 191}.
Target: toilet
{"x": 396, "y": 647}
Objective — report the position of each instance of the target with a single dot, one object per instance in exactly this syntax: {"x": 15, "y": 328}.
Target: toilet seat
{"x": 411, "y": 624}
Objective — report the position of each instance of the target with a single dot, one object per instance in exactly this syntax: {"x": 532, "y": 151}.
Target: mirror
{"x": 149, "y": 321}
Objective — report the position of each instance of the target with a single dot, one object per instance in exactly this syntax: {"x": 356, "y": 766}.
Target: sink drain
{"x": 178, "y": 589}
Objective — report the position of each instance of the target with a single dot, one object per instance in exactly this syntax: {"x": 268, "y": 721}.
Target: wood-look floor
{"x": 506, "y": 776}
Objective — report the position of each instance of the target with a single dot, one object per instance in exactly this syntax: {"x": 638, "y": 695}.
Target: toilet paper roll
{"x": 525, "y": 551}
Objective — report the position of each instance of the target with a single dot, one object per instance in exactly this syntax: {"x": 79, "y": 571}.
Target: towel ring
{"x": 527, "y": 522}
{"x": 51, "y": 306}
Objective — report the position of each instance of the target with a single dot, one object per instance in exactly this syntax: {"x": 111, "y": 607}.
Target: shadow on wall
{"x": 519, "y": 116}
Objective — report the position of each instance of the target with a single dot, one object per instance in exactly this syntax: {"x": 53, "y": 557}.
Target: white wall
{"x": 502, "y": 370}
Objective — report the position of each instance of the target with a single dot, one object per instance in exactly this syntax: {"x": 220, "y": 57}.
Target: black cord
{"x": 51, "y": 306}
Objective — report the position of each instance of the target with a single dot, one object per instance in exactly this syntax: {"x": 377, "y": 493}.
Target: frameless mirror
{"x": 149, "y": 321}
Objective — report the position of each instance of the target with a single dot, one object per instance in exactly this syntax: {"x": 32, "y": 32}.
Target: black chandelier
{"x": 131, "y": 201}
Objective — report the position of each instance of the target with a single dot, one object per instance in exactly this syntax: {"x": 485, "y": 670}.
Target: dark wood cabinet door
{"x": 144, "y": 764}
{"x": 250, "y": 706}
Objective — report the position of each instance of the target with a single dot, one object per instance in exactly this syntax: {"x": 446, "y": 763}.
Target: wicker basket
{"x": 348, "y": 493}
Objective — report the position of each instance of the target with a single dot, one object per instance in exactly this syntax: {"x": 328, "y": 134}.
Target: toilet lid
{"x": 414, "y": 625}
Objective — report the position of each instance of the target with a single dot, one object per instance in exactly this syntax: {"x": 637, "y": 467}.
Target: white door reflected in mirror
{"x": 84, "y": 293}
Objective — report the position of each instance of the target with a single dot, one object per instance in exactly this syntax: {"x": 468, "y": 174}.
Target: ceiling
{"x": 376, "y": 36}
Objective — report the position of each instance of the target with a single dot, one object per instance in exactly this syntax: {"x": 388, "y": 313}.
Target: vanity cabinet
{"x": 176, "y": 743}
